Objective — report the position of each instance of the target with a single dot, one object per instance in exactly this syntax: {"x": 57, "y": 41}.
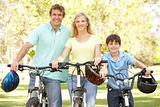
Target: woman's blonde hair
{"x": 74, "y": 29}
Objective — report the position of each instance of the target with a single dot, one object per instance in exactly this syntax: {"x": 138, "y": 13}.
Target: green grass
{"x": 18, "y": 97}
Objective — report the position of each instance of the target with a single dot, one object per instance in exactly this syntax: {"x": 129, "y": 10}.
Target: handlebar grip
{"x": 104, "y": 61}
{"x": 62, "y": 65}
{"x": 8, "y": 65}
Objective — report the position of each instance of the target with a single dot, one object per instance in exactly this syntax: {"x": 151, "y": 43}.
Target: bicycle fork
{"x": 79, "y": 93}
{"x": 125, "y": 96}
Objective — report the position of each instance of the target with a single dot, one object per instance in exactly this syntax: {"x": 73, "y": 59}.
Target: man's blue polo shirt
{"x": 49, "y": 45}
{"x": 118, "y": 68}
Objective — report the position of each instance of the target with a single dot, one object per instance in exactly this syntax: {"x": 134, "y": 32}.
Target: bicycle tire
{"x": 33, "y": 102}
{"x": 78, "y": 102}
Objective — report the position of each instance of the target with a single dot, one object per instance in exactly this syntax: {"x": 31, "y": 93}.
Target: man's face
{"x": 56, "y": 17}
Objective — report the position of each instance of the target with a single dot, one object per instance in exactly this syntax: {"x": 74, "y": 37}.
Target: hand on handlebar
{"x": 103, "y": 71}
{"x": 148, "y": 72}
{"x": 55, "y": 64}
{"x": 14, "y": 66}
{"x": 97, "y": 60}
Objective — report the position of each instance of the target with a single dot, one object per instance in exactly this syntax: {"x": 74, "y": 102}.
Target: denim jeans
{"x": 91, "y": 89}
{"x": 53, "y": 90}
{"x": 114, "y": 96}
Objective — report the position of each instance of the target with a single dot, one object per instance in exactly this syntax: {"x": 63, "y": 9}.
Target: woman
{"x": 82, "y": 47}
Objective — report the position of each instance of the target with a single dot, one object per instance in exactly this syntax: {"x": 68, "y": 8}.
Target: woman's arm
{"x": 97, "y": 54}
{"x": 61, "y": 57}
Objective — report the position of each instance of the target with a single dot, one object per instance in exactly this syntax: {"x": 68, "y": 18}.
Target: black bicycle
{"x": 79, "y": 94}
{"x": 37, "y": 96}
{"x": 127, "y": 84}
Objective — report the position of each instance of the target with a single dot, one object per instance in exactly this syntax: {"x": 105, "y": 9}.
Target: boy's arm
{"x": 139, "y": 64}
{"x": 103, "y": 71}
{"x": 142, "y": 66}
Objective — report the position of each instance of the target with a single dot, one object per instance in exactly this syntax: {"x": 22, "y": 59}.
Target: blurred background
{"x": 136, "y": 21}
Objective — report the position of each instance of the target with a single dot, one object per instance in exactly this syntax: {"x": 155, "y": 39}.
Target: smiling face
{"x": 113, "y": 47}
{"x": 56, "y": 17}
{"x": 81, "y": 23}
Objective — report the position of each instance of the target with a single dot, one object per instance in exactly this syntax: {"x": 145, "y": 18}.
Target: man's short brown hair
{"x": 57, "y": 7}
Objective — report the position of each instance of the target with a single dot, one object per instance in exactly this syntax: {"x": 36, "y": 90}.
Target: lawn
{"x": 18, "y": 97}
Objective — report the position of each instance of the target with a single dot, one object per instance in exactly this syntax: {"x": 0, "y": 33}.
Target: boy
{"x": 118, "y": 63}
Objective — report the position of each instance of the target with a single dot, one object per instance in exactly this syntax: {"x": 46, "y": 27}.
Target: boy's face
{"x": 113, "y": 47}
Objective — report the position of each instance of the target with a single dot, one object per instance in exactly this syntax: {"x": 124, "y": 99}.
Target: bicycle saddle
{"x": 93, "y": 75}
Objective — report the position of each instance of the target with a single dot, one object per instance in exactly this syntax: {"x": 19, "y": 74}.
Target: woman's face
{"x": 113, "y": 47}
{"x": 81, "y": 23}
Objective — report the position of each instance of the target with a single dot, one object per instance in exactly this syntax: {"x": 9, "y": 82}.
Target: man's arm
{"x": 23, "y": 51}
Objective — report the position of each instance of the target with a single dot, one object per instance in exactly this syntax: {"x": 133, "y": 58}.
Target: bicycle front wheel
{"x": 33, "y": 102}
{"x": 78, "y": 102}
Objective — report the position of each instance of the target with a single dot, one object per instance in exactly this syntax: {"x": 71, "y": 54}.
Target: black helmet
{"x": 10, "y": 81}
{"x": 146, "y": 84}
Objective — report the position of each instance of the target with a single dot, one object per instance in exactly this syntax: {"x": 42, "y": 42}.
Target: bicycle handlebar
{"x": 142, "y": 72}
{"x": 65, "y": 65}
{"x": 22, "y": 67}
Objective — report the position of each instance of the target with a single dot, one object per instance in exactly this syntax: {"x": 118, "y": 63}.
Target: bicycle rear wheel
{"x": 33, "y": 102}
{"x": 78, "y": 102}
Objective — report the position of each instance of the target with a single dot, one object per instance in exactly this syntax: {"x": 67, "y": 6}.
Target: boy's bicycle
{"x": 128, "y": 86}
{"x": 79, "y": 94}
{"x": 38, "y": 95}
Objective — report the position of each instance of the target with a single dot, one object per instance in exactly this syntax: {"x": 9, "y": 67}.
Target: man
{"x": 49, "y": 39}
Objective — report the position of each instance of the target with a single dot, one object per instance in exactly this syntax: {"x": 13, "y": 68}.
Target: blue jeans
{"x": 114, "y": 96}
{"x": 91, "y": 89}
{"x": 53, "y": 90}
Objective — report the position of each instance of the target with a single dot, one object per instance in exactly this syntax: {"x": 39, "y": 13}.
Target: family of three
{"x": 54, "y": 43}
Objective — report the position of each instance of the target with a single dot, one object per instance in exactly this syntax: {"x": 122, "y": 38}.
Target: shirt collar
{"x": 51, "y": 28}
{"x": 119, "y": 56}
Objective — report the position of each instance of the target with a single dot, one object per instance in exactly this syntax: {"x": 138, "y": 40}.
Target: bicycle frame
{"x": 125, "y": 91}
{"x": 79, "y": 94}
{"x": 37, "y": 96}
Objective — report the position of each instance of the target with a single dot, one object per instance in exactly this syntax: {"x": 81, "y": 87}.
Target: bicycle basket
{"x": 146, "y": 84}
{"x": 93, "y": 76}
{"x": 10, "y": 82}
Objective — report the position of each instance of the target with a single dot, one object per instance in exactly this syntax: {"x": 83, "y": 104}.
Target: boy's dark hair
{"x": 112, "y": 38}
{"x": 57, "y": 7}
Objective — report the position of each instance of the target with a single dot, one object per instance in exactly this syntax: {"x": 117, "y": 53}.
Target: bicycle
{"x": 37, "y": 96}
{"x": 79, "y": 94}
{"x": 124, "y": 101}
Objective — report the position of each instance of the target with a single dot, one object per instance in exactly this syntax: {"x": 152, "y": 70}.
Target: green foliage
{"x": 31, "y": 53}
{"x": 127, "y": 18}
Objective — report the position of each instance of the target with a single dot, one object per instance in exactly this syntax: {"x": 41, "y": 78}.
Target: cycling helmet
{"x": 10, "y": 81}
{"x": 146, "y": 84}
{"x": 93, "y": 76}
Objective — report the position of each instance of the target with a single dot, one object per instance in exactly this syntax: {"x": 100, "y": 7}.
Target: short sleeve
{"x": 33, "y": 37}
{"x": 69, "y": 43}
{"x": 130, "y": 58}
{"x": 105, "y": 56}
